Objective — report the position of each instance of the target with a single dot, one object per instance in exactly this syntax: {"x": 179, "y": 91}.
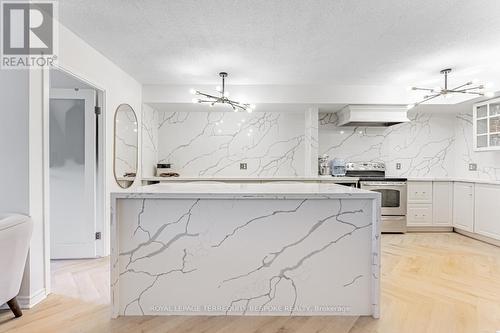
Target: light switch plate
{"x": 398, "y": 166}
{"x": 472, "y": 166}
{"x": 243, "y": 166}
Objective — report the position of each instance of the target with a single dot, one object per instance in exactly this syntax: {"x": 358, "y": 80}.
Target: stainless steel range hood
{"x": 372, "y": 115}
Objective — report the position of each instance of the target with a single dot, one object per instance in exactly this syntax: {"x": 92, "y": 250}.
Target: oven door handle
{"x": 398, "y": 184}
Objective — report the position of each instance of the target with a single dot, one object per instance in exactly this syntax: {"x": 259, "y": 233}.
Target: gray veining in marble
{"x": 270, "y": 256}
{"x": 488, "y": 162}
{"x": 149, "y": 153}
{"x": 215, "y": 143}
{"x": 424, "y": 146}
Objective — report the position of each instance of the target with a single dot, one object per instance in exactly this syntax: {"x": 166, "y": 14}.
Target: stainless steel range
{"x": 393, "y": 190}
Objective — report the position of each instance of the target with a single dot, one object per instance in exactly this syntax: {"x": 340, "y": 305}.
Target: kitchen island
{"x": 245, "y": 249}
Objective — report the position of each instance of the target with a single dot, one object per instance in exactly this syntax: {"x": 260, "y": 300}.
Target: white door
{"x": 72, "y": 173}
{"x": 463, "y": 206}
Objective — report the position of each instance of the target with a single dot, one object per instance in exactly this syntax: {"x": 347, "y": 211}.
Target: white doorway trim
{"x": 101, "y": 187}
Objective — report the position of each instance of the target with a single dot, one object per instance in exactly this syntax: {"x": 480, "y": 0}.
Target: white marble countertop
{"x": 298, "y": 178}
{"x": 314, "y": 178}
{"x": 274, "y": 190}
{"x": 454, "y": 179}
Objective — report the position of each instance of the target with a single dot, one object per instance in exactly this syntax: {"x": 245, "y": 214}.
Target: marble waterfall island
{"x": 245, "y": 249}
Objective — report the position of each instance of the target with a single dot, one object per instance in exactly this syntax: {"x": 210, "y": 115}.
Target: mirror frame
{"x": 114, "y": 148}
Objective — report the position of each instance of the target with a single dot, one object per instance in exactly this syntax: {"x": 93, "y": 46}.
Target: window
{"x": 486, "y": 118}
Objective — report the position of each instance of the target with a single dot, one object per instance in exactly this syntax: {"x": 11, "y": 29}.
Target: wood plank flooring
{"x": 430, "y": 283}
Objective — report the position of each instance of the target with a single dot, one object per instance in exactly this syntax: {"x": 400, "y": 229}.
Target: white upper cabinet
{"x": 486, "y": 116}
{"x": 487, "y": 212}
{"x": 463, "y": 206}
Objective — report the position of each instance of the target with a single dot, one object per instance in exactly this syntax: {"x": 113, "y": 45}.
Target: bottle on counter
{"x": 323, "y": 165}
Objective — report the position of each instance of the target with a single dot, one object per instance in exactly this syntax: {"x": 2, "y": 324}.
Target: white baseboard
{"x": 27, "y": 302}
{"x": 485, "y": 239}
{"x": 430, "y": 229}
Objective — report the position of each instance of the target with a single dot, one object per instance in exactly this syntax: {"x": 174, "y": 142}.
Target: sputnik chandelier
{"x": 471, "y": 87}
{"x": 222, "y": 98}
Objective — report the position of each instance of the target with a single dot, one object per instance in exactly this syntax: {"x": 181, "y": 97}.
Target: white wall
{"x": 18, "y": 190}
{"x": 488, "y": 162}
{"x": 77, "y": 57}
{"x": 213, "y": 144}
{"x": 14, "y": 112}
{"x": 437, "y": 143}
{"x": 424, "y": 146}
{"x": 82, "y": 60}
{"x": 149, "y": 127}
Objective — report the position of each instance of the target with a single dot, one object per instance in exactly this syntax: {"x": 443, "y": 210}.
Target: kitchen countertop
{"x": 312, "y": 178}
{"x": 233, "y": 190}
{"x": 454, "y": 179}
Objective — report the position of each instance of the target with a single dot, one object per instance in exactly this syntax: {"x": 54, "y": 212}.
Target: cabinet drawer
{"x": 420, "y": 192}
{"x": 419, "y": 215}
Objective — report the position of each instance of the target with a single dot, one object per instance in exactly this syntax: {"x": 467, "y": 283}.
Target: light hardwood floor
{"x": 430, "y": 283}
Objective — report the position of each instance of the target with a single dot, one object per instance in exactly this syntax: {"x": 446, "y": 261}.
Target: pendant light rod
{"x": 445, "y": 72}
{"x": 223, "y": 75}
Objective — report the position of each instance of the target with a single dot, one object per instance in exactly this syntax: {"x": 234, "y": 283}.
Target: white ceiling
{"x": 295, "y": 42}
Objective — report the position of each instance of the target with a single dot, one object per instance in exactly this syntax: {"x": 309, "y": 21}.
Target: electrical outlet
{"x": 398, "y": 166}
{"x": 472, "y": 166}
{"x": 243, "y": 166}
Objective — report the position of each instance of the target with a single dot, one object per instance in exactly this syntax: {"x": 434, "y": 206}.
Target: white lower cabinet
{"x": 468, "y": 206}
{"x": 487, "y": 210}
{"x": 419, "y": 192}
{"x": 430, "y": 204}
{"x": 463, "y": 206}
{"x": 419, "y": 215}
{"x": 442, "y": 204}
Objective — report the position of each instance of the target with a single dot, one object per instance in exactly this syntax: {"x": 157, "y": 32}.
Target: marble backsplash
{"x": 280, "y": 144}
{"x": 424, "y": 147}
{"x": 488, "y": 162}
{"x": 149, "y": 128}
{"x": 213, "y": 144}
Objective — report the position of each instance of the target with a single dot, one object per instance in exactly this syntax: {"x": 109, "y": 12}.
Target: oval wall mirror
{"x": 125, "y": 146}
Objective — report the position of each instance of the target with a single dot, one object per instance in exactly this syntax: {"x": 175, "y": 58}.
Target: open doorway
{"x": 76, "y": 171}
